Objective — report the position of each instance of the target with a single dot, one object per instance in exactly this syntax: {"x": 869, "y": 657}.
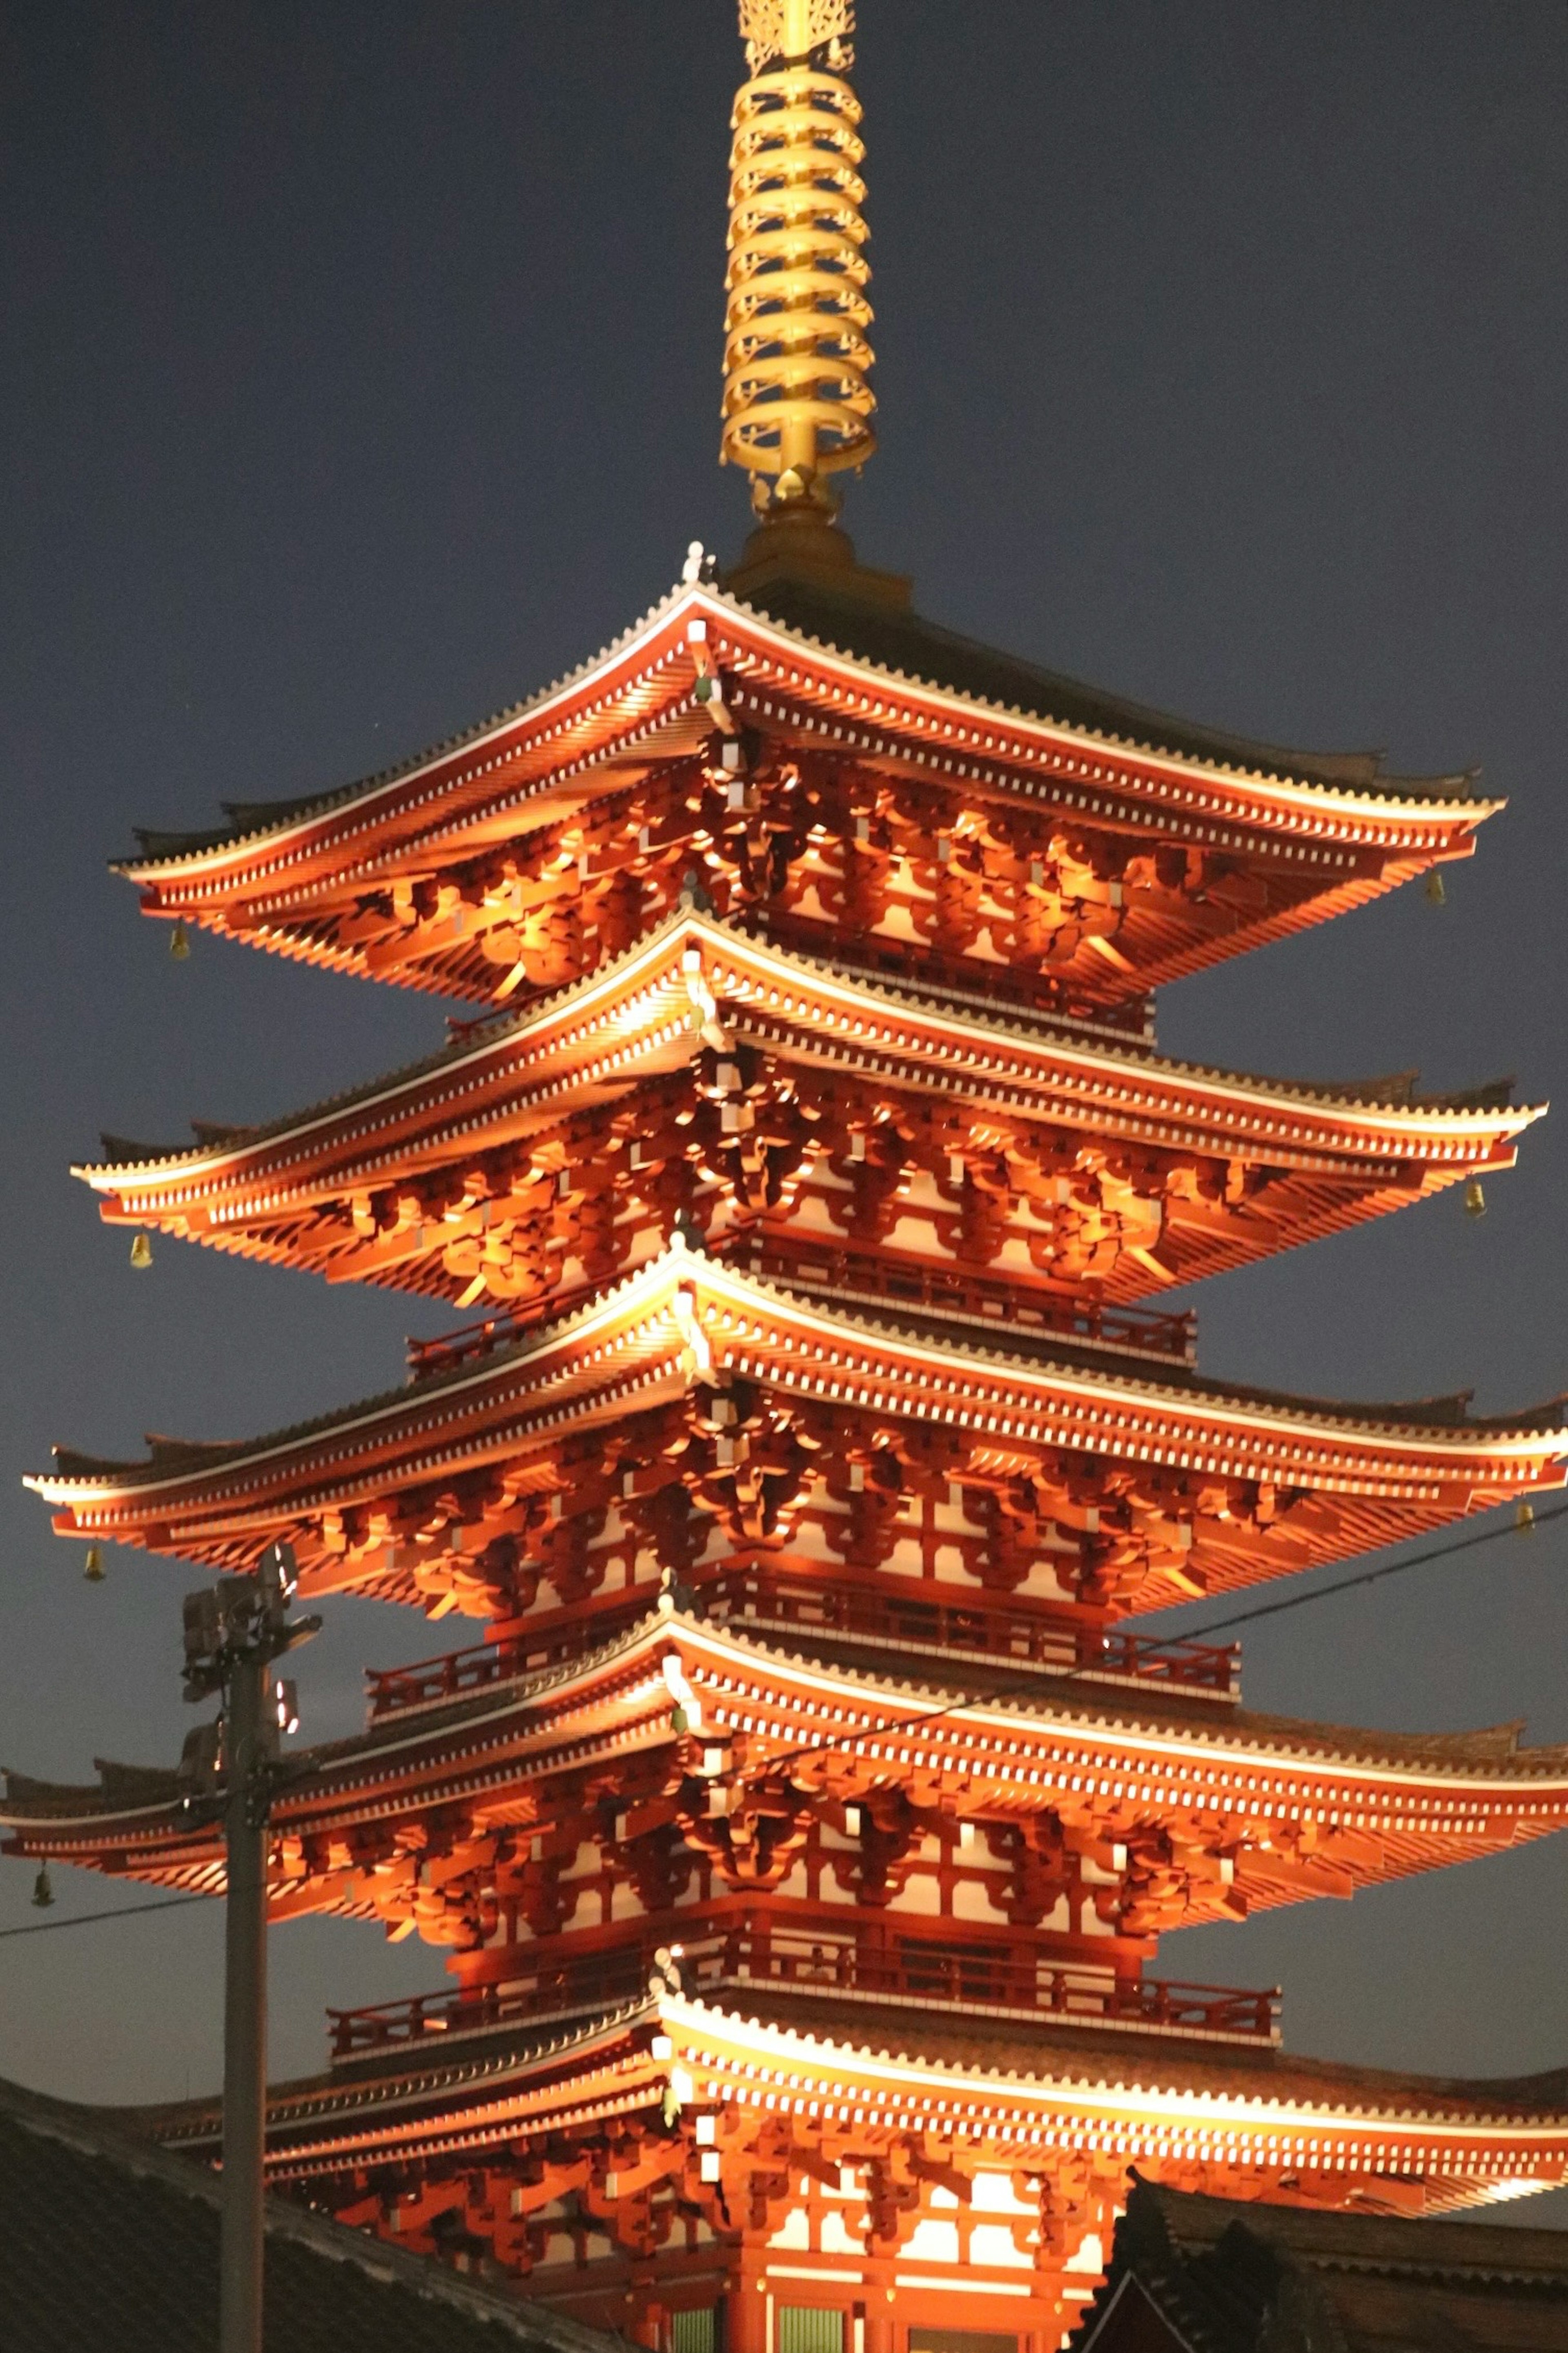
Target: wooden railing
{"x": 448, "y": 1350}
{"x": 1011, "y": 1978}
{"x": 767, "y": 1598}
{"x": 832, "y": 1606}
{"x": 456, "y": 1674}
{"x": 1013, "y": 1307}
{"x": 1001, "y": 1300}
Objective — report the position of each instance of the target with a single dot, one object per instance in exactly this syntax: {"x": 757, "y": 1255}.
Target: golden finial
{"x": 797, "y": 405}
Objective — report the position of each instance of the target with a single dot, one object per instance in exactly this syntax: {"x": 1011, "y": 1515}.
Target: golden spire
{"x": 797, "y": 405}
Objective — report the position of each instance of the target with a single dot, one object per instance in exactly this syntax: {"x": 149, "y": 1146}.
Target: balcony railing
{"x": 455, "y": 1674}
{"x": 448, "y": 1350}
{"x": 1009, "y": 1979}
{"x": 1001, "y": 1300}
{"x": 1013, "y": 1307}
{"x": 898, "y": 1620}
{"x": 911, "y": 1619}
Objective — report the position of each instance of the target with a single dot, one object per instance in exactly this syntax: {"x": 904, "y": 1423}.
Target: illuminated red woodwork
{"x": 785, "y": 1106}
{"x": 801, "y": 1830}
{"x": 867, "y": 785}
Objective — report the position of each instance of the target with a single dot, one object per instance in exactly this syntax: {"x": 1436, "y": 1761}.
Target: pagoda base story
{"x": 701, "y": 2175}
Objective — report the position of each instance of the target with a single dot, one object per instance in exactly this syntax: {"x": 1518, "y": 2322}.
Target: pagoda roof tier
{"x": 687, "y": 1369}
{"x": 1273, "y": 2124}
{"x": 1126, "y": 847}
{"x": 780, "y": 1089}
{"x": 1244, "y": 1811}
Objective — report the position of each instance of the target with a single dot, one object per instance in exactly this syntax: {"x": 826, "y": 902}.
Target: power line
{"x": 91, "y": 1920}
{"x": 1371, "y": 1576}
{"x": 1016, "y": 1687}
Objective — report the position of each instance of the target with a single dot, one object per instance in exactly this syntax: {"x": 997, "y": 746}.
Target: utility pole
{"x": 233, "y": 1633}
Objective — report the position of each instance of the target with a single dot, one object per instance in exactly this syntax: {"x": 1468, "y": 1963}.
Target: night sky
{"x": 361, "y": 375}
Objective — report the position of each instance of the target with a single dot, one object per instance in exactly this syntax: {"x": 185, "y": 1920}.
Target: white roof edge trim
{"x": 1372, "y": 808}
{"x": 607, "y": 981}
{"x": 655, "y": 1284}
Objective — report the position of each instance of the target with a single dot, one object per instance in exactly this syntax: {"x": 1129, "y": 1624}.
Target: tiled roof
{"x": 905, "y": 647}
{"x": 1085, "y": 2060}
{"x": 110, "y": 2245}
{"x": 1490, "y": 1753}
{"x": 1419, "y": 1417}
{"x": 1217, "y": 2275}
{"x": 909, "y": 647}
{"x": 1007, "y": 1024}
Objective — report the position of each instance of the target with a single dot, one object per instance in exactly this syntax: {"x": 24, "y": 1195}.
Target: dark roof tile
{"x": 1220, "y": 2276}
{"x": 109, "y": 2241}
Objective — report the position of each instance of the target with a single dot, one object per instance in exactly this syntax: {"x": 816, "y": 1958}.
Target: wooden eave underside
{"x": 644, "y": 1017}
{"x": 1376, "y": 1806}
{"x": 288, "y": 885}
{"x": 1037, "y": 2089}
{"x": 685, "y": 1318}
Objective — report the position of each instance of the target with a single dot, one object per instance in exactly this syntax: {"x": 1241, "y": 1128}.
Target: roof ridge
{"x": 107, "y": 2136}
{"x": 1282, "y": 755}
{"x": 491, "y": 1030}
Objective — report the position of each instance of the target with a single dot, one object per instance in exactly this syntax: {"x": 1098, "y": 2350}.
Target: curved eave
{"x": 1276, "y": 2096}
{"x": 516, "y": 772}
{"x": 645, "y": 1342}
{"x": 636, "y": 1019}
{"x": 1035, "y": 2088}
{"x": 1385, "y": 1805}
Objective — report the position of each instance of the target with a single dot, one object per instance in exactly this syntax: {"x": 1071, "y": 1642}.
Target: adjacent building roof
{"x": 1195, "y": 2274}
{"x": 110, "y": 2241}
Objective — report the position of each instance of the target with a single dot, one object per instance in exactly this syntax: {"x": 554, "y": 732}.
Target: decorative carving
{"x": 790, "y": 28}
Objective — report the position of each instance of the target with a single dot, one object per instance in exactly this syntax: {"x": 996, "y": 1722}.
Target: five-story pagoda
{"x": 804, "y": 1825}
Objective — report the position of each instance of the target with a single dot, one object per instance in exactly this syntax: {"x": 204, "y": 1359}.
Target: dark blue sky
{"x": 361, "y": 375}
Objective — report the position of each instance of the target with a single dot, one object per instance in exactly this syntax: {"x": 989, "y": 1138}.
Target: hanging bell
{"x": 93, "y": 1567}
{"x": 43, "y": 1892}
{"x": 1475, "y": 1200}
{"x": 141, "y": 1250}
{"x": 179, "y": 944}
{"x": 1434, "y": 891}
{"x": 1524, "y": 1519}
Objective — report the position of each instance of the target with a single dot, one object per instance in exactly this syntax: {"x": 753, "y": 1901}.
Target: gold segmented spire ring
{"x": 797, "y": 403}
